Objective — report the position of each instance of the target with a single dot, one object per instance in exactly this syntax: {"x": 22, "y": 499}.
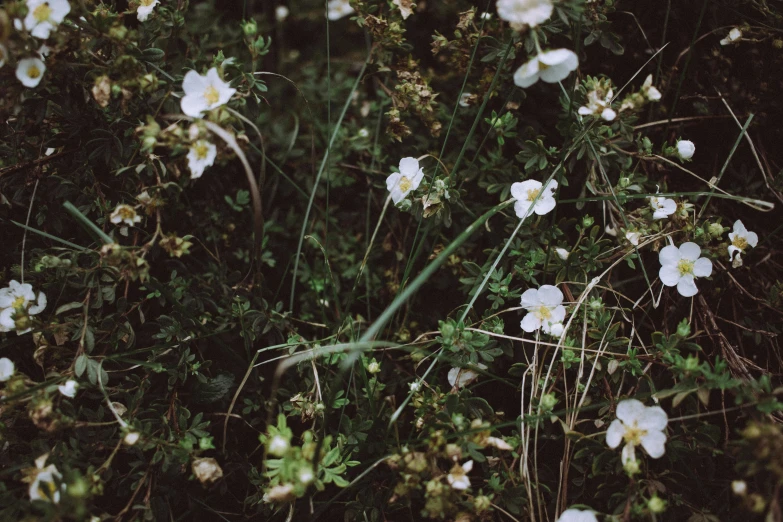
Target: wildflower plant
{"x": 390, "y": 260}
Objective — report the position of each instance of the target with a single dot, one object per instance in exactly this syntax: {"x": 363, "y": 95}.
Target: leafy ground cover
{"x": 378, "y": 260}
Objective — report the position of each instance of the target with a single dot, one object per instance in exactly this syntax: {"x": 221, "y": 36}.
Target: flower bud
{"x": 587, "y": 221}
{"x": 250, "y": 28}
{"x": 131, "y": 438}
{"x": 374, "y": 367}
{"x": 656, "y": 505}
{"x": 685, "y": 149}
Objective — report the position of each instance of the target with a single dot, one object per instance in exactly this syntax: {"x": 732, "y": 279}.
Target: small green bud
{"x": 631, "y": 467}
{"x": 548, "y": 401}
{"x": 691, "y": 363}
{"x": 250, "y": 28}
{"x": 624, "y": 182}
{"x": 481, "y": 503}
{"x": 715, "y": 229}
{"x": 683, "y": 329}
{"x": 374, "y": 367}
{"x": 656, "y": 505}
{"x": 587, "y": 221}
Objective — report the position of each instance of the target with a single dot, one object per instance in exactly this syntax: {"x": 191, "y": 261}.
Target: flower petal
{"x": 630, "y": 411}
{"x": 194, "y": 83}
{"x": 702, "y": 267}
{"x": 629, "y": 454}
{"x": 739, "y": 228}
{"x": 686, "y": 286}
{"x": 409, "y": 167}
{"x": 527, "y": 74}
{"x": 530, "y": 299}
{"x": 654, "y": 419}
{"x": 545, "y": 204}
{"x": 614, "y": 435}
{"x": 550, "y": 295}
{"x": 530, "y": 323}
{"x": 669, "y": 275}
{"x": 523, "y": 208}
{"x": 193, "y": 105}
{"x": 558, "y": 315}
{"x": 690, "y": 251}
{"x": 752, "y": 238}
{"x": 669, "y": 255}
{"x": 654, "y": 443}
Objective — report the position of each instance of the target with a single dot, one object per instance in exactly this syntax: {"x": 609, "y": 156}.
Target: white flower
{"x": 526, "y": 193}
{"x": 17, "y": 304}
{"x": 525, "y": 12}
{"x": 44, "y": 15}
{"x": 739, "y": 487}
{"x": 202, "y": 154}
{"x": 305, "y": 475}
{"x": 638, "y": 425}
{"x": 408, "y": 178}
{"x": 577, "y": 515}
{"x": 545, "y": 308}
{"x": 562, "y": 253}
{"x": 741, "y": 239}
{"x": 204, "y": 93}
{"x": 3, "y": 54}
{"x": 281, "y": 13}
{"x": 131, "y": 438}
{"x": 486, "y": 16}
{"x": 6, "y": 369}
{"x": 337, "y": 9}
{"x": 278, "y": 445}
{"x": 415, "y": 386}
{"x": 145, "y": 9}
{"x": 458, "y": 476}
{"x": 69, "y": 388}
{"x": 685, "y": 149}
{"x": 499, "y": 443}
{"x": 405, "y": 6}
{"x": 551, "y": 66}
{"x": 461, "y": 377}
{"x": 464, "y": 100}
{"x": 556, "y": 329}
{"x": 596, "y": 106}
{"x": 124, "y": 214}
{"x": 650, "y": 92}
{"x": 662, "y": 207}
{"x": 680, "y": 266}
{"x": 30, "y": 71}
{"x": 633, "y": 237}
{"x": 734, "y": 35}
{"x": 206, "y": 470}
{"x": 44, "y": 485}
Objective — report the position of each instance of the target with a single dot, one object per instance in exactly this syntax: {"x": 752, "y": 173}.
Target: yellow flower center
{"x": 405, "y": 184}
{"x": 147, "y": 3}
{"x": 127, "y": 213}
{"x": 685, "y": 267}
{"x": 532, "y": 194}
{"x": 42, "y": 12}
{"x": 211, "y": 95}
{"x": 544, "y": 313}
{"x": 201, "y": 151}
{"x": 634, "y": 434}
{"x": 33, "y": 72}
{"x": 740, "y": 242}
{"x": 19, "y": 301}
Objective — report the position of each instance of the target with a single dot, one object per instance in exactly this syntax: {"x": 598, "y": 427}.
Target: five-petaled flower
{"x": 680, "y": 266}
{"x": 531, "y": 196}
{"x": 525, "y": 12}
{"x": 741, "y": 239}
{"x": 551, "y": 66}
{"x": 145, "y": 9}
{"x": 662, "y": 207}
{"x": 599, "y": 106}
{"x": 202, "y": 154}
{"x": 44, "y": 482}
{"x": 399, "y": 184}
{"x": 458, "y": 475}
{"x": 30, "y": 71}
{"x": 336, "y": 9}
{"x": 545, "y": 309}
{"x": 638, "y": 425}
{"x": 124, "y": 214}
{"x": 204, "y": 93}
{"x": 44, "y": 15}
{"x": 17, "y": 303}
{"x": 577, "y": 515}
